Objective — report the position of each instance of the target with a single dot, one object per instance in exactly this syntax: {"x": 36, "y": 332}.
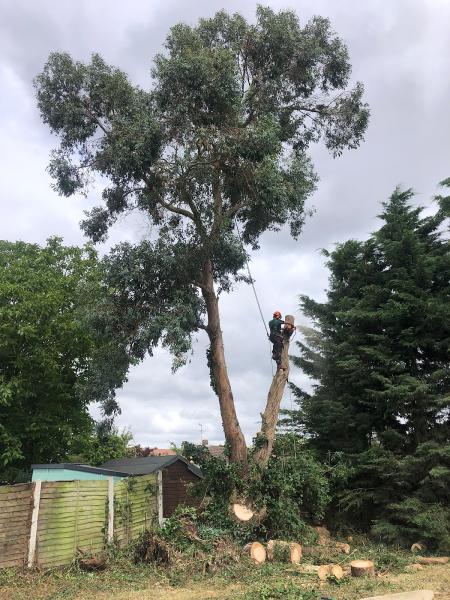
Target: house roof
{"x": 217, "y": 451}
{"x": 83, "y": 469}
{"x": 148, "y": 464}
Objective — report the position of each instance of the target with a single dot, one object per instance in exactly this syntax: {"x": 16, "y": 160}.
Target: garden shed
{"x": 174, "y": 474}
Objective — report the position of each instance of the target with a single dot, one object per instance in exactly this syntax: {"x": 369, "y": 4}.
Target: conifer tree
{"x": 379, "y": 353}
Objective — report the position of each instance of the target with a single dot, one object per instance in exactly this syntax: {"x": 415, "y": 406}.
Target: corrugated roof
{"x": 143, "y": 465}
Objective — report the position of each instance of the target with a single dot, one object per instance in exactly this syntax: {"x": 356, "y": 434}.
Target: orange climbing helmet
{"x": 277, "y": 314}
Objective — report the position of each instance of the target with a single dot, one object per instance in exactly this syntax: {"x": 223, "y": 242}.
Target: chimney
{"x": 205, "y": 443}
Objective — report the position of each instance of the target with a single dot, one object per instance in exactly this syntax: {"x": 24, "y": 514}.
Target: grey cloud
{"x": 400, "y": 50}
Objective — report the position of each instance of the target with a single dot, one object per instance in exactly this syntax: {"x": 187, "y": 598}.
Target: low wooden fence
{"x": 47, "y": 524}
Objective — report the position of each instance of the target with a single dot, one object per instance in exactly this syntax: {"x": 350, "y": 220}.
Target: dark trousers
{"x": 277, "y": 341}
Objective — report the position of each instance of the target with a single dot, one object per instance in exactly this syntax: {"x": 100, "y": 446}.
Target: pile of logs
{"x": 292, "y": 552}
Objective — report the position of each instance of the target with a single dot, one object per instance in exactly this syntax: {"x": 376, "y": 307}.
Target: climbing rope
{"x": 251, "y": 278}
{"x": 254, "y": 290}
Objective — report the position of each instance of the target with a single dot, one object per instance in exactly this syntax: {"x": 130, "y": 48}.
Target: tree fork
{"x": 233, "y": 433}
{"x": 269, "y": 418}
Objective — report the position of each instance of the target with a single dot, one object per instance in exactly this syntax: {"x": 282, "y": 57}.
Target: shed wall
{"x": 175, "y": 478}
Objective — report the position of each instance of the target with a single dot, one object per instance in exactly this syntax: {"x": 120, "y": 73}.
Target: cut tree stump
{"x": 432, "y": 560}
{"x": 362, "y": 568}
{"x": 256, "y": 551}
{"x": 295, "y": 550}
{"x": 323, "y": 571}
{"x": 241, "y": 512}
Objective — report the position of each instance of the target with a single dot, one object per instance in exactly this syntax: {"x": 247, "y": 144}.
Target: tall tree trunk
{"x": 269, "y": 418}
{"x": 231, "y": 427}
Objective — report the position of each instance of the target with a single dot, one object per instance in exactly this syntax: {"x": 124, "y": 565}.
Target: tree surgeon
{"x": 276, "y": 337}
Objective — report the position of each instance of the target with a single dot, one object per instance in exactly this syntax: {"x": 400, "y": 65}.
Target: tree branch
{"x": 176, "y": 209}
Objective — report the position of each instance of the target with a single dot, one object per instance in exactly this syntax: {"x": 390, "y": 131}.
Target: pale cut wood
{"x": 362, "y": 568}
{"x": 323, "y": 571}
{"x": 256, "y": 551}
{"x": 295, "y": 550}
{"x": 336, "y": 571}
{"x": 241, "y": 512}
{"x": 432, "y": 560}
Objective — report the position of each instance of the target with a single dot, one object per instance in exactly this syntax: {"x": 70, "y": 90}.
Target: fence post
{"x": 34, "y": 523}
{"x": 110, "y": 509}
{"x": 160, "y": 497}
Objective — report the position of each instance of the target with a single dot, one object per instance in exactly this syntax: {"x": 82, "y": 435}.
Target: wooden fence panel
{"x": 16, "y": 504}
{"x": 72, "y": 516}
{"x": 135, "y": 507}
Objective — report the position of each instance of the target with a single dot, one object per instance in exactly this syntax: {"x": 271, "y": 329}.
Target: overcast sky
{"x": 400, "y": 50}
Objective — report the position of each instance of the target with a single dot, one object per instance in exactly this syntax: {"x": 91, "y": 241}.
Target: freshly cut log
{"x": 345, "y": 548}
{"x": 432, "y": 560}
{"x": 296, "y": 553}
{"x": 418, "y": 547}
{"x": 256, "y": 551}
{"x": 294, "y": 550}
{"x": 362, "y": 568}
{"x": 241, "y": 512}
{"x": 336, "y": 571}
{"x": 323, "y": 571}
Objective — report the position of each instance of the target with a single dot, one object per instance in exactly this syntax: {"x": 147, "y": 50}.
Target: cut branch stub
{"x": 256, "y": 551}
{"x": 241, "y": 513}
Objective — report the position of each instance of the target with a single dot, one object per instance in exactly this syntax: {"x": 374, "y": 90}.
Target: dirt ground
{"x": 436, "y": 578}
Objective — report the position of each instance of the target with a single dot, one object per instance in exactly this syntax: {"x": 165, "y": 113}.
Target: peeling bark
{"x": 233, "y": 433}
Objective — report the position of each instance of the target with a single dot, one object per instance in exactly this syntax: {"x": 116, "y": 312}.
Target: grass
{"x": 124, "y": 580}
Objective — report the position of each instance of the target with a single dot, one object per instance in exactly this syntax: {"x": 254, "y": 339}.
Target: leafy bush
{"x": 293, "y": 489}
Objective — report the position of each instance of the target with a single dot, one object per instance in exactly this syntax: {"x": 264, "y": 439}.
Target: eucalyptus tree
{"x": 220, "y": 137}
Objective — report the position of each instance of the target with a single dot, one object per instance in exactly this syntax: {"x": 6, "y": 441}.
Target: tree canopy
{"x": 222, "y": 135}
{"x": 47, "y": 351}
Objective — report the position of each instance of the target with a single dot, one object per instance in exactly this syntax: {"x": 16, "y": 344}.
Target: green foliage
{"x": 100, "y": 445}
{"x": 379, "y": 353}
{"x": 222, "y": 136}
{"x": 46, "y": 351}
{"x": 293, "y": 489}
{"x": 173, "y": 530}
